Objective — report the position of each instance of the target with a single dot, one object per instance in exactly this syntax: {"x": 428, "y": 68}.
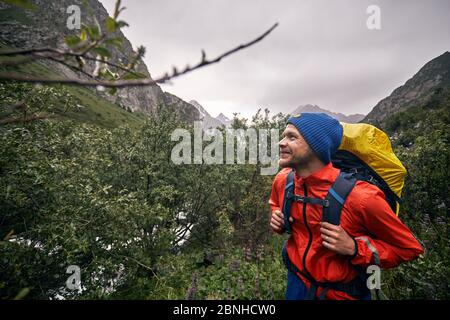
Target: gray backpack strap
{"x": 336, "y": 197}
{"x": 288, "y": 200}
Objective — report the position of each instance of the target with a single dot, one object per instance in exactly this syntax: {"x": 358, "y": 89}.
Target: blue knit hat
{"x": 322, "y": 133}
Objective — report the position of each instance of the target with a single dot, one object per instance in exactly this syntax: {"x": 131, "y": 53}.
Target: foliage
{"x": 111, "y": 201}
{"x": 59, "y": 102}
{"x": 421, "y": 140}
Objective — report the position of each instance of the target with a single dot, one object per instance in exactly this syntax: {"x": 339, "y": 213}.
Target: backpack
{"x": 365, "y": 154}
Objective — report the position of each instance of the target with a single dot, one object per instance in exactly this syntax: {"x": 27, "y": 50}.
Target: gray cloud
{"x": 322, "y": 52}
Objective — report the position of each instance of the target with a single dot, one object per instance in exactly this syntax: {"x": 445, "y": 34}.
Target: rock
{"x": 47, "y": 26}
{"x": 417, "y": 91}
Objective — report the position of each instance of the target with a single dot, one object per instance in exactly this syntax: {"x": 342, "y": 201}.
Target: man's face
{"x": 294, "y": 150}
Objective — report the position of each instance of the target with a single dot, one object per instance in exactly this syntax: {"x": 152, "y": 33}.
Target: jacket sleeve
{"x": 390, "y": 242}
{"x": 276, "y": 196}
{"x": 274, "y": 200}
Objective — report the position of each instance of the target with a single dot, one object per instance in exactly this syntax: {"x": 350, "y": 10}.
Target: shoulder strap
{"x": 336, "y": 197}
{"x": 288, "y": 199}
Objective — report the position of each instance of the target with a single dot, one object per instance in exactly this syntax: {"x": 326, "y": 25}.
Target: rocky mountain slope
{"x": 224, "y": 119}
{"x": 208, "y": 121}
{"x": 416, "y": 92}
{"x": 47, "y": 27}
{"x": 353, "y": 118}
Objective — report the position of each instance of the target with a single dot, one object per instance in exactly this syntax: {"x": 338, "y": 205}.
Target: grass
{"x": 93, "y": 108}
{"x": 99, "y": 111}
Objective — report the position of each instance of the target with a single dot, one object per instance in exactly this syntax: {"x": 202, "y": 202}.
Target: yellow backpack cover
{"x": 367, "y": 151}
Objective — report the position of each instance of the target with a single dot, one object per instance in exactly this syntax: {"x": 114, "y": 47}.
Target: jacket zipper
{"x": 305, "y": 191}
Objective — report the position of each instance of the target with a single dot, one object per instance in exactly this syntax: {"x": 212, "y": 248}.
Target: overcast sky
{"x": 322, "y": 52}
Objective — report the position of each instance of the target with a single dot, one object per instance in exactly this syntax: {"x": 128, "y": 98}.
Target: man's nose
{"x": 282, "y": 142}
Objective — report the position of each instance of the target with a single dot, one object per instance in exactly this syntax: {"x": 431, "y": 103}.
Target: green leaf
{"x": 102, "y": 51}
{"x": 116, "y": 41}
{"x": 121, "y": 24}
{"x": 110, "y": 24}
{"x": 72, "y": 40}
{"x": 93, "y": 32}
{"x": 22, "y": 294}
{"x": 9, "y": 235}
{"x": 83, "y": 35}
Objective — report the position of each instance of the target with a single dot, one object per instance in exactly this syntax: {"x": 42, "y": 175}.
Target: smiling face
{"x": 294, "y": 150}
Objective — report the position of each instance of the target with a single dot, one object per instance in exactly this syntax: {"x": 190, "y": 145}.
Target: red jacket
{"x": 366, "y": 216}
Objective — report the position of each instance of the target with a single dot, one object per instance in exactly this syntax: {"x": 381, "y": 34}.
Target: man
{"x": 369, "y": 232}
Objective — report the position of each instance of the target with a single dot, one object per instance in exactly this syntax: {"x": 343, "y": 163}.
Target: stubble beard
{"x": 299, "y": 161}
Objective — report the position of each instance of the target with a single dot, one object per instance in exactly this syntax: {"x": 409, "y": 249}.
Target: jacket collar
{"x": 326, "y": 175}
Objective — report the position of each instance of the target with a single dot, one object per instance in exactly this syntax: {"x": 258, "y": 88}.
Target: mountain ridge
{"x": 416, "y": 91}
{"x": 209, "y": 121}
{"x": 353, "y": 118}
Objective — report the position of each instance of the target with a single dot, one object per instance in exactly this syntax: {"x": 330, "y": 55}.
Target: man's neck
{"x": 308, "y": 169}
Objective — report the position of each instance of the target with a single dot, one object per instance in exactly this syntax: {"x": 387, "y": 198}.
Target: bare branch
{"x": 110, "y": 64}
{"x": 40, "y": 56}
{"x": 73, "y": 68}
{"x": 91, "y": 46}
{"x": 78, "y": 82}
{"x": 53, "y": 50}
{"x": 24, "y": 120}
{"x": 120, "y": 83}
{"x": 31, "y": 51}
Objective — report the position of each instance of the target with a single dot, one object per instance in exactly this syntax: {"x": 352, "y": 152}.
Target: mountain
{"x": 416, "y": 92}
{"x": 201, "y": 110}
{"x": 208, "y": 121}
{"x": 185, "y": 110}
{"x": 353, "y": 118}
{"x": 223, "y": 119}
{"x": 47, "y": 27}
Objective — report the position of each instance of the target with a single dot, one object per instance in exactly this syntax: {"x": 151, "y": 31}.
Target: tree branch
{"x": 24, "y": 120}
{"x": 71, "y": 67}
{"x": 32, "y": 51}
{"x": 118, "y": 83}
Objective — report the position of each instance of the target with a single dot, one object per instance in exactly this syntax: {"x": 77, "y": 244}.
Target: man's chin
{"x": 285, "y": 163}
